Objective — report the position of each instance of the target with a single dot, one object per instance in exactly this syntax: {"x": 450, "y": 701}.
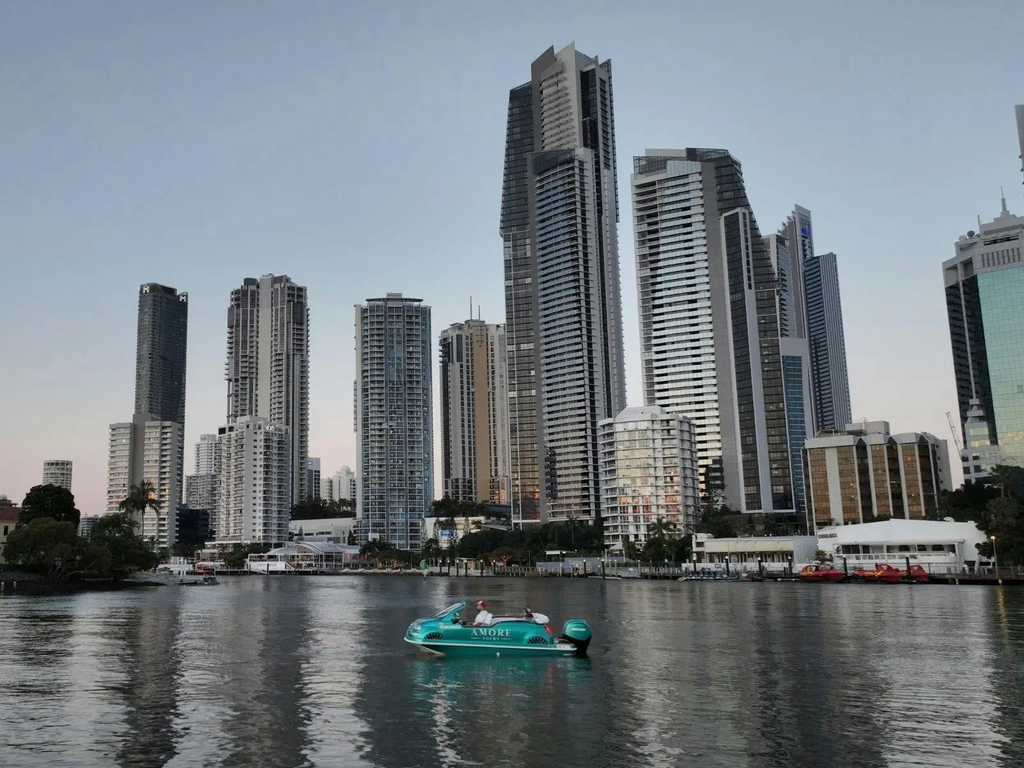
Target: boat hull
{"x": 462, "y": 649}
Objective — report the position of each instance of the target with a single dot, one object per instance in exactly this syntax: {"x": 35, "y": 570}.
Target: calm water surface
{"x": 313, "y": 672}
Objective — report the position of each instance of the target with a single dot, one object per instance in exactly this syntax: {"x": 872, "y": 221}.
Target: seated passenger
{"x": 483, "y": 618}
{"x": 527, "y": 613}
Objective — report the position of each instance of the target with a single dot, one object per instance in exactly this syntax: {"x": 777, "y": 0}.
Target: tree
{"x": 54, "y": 549}
{"x": 49, "y": 501}
{"x": 661, "y": 528}
{"x": 128, "y": 552}
{"x": 140, "y": 498}
{"x": 235, "y": 559}
{"x": 1009, "y": 480}
{"x": 715, "y": 522}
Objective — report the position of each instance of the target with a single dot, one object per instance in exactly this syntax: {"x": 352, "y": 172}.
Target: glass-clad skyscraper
{"x": 559, "y": 217}
{"x": 985, "y": 304}
{"x": 710, "y": 322}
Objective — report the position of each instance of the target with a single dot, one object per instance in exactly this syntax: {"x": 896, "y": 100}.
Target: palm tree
{"x": 140, "y": 498}
{"x": 661, "y": 528}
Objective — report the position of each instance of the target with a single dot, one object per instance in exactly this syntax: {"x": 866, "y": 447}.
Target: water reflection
{"x": 312, "y": 672}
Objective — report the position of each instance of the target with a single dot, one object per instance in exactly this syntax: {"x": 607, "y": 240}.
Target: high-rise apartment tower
{"x": 393, "y": 420}
{"x": 474, "y": 412}
{"x": 559, "y": 222}
{"x": 268, "y": 362}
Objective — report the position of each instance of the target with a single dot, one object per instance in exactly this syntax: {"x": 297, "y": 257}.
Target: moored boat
{"x": 882, "y": 573}
{"x": 446, "y": 634}
{"x": 818, "y": 572}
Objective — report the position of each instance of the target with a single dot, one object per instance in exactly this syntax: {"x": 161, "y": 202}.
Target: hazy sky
{"x": 359, "y": 150}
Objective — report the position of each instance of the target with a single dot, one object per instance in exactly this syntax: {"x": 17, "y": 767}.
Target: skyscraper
{"x": 313, "y": 477}
{"x": 57, "y": 472}
{"x": 394, "y": 420}
{"x": 559, "y": 216}
{"x": 984, "y": 295}
{"x": 474, "y": 412}
{"x": 151, "y": 447}
{"x": 710, "y": 322}
{"x": 830, "y": 382}
{"x": 268, "y": 362}
{"x": 201, "y": 487}
{"x": 161, "y": 345}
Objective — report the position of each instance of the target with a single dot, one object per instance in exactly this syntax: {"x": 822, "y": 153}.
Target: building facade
{"x": 313, "y": 482}
{"x": 151, "y": 447}
{"x": 710, "y": 323}
{"x": 984, "y": 295}
{"x": 268, "y": 362}
{"x": 254, "y": 495}
{"x": 864, "y": 473}
{"x": 340, "y": 485}
{"x": 393, "y": 420}
{"x": 206, "y": 455}
{"x": 559, "y": 228}
{"x": 146, "y": 450}
{"x": 201, "y": 487}
{"x": 815, "y": 314}
{"x": 57, "y": 472}
{"x": 474, "y": 412}
{"x": 648, "y": 473}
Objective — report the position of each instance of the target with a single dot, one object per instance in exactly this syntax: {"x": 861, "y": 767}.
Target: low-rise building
{"x": 863, "y": 473}
{"x": 648, "y": 470}
{"x": 8, "y": 519}
{"x": 747, "y": 553}
{"x": 940, "y": 546}
{"x": 333, "y": 529}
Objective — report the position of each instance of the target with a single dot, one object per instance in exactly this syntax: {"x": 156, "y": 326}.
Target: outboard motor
{"x": 577, "y": 632}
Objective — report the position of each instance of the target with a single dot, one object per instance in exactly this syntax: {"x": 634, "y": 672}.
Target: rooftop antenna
{"x": 1003, "y": 196}
{"x": 479, "y": 314}
{"x": 471, "y": 306}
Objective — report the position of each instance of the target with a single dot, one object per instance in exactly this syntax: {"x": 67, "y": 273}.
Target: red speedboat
{"x": 819, "y": 572}
{"x": 917, "y": 573}
{"x": 882, "y": 572}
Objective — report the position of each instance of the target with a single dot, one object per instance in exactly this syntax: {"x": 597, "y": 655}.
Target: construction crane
{"x": 955, "y": 431}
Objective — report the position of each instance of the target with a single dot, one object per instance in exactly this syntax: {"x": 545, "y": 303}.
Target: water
{"x": 313, "y": 672}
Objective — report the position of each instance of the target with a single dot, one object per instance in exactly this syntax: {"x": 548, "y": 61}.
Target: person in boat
{"x": 483, "y": 617}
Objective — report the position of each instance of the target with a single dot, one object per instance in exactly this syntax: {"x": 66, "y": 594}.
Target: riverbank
{"x": 26, "y": 583}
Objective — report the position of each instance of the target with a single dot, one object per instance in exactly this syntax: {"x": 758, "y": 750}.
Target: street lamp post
{"x": 995, "y": 557}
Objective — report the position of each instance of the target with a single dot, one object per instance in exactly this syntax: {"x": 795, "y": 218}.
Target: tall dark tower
{"x": 160, "y": 353}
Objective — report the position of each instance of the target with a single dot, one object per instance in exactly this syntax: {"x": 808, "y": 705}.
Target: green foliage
{"x": 716, "y": 522}
{"x": 49, "y": 501}
{"x": 235, "y": 558}
{"x": 128, "y": 553}
{"x": 315, "y": 509}
{"x": 54, "y": 549}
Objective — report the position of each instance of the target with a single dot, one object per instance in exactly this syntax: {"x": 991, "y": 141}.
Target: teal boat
{"x": 445, "y": 634}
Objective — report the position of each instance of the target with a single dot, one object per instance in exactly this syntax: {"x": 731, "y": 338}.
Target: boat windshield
{"x": 449, "y": 609}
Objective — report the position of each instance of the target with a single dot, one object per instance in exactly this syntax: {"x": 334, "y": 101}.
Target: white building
{"x": 268, "y": 362}
{"x": 748, "y": 553}
{"x": 206, "y": 455}
{"x": 86, "y": 525}
{"x": 340, "y": 485}
{"x": 940, "y": 546}
{"x": 254, "y": 497}
{"x": 474, "y": 412}
{"x": 57, "y": 472}
{"x": 201, "y": 488}
{"x": 334, "y": 529}
{"x": 144, "y": 450}
{"x": 313, "y": 481}
{"x": 648, "y": 470}
{"x": 394, "y": 420}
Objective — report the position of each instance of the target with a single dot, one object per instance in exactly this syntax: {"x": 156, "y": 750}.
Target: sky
{"x": 358, "y": 148}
